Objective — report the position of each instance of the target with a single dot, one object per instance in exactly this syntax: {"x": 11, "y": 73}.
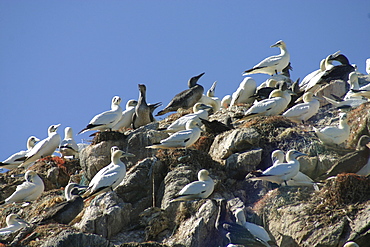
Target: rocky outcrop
{"x": 139, "y": 212}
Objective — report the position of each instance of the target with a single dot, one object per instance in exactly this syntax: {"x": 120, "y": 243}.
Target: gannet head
{"x": 293, "y": 154}
{"x": 343, "y": 117}
{"x": 193, "y": 81}
{"x": 11, "y": 219}
{"x": 68, "y": 132}
{"x": 201, "y": 106}
{"x": 203, "y": 175}
{"x": 116, "y": 100}
{"x": 276, "y": 93}
{"x": 31, "y": 142}
{"x": 114, "y": 148}
{"x": 277, "y": 155}
{"x": 30, "y": 175}
{"x": 53, "y": 128}
{"x": 211, "y": 91}
{"x": 280, "y": 43}
{"x": 131, "y": 103}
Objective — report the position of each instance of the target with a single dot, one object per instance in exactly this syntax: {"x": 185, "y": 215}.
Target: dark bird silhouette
{"x": 66, "y": 211}
{"x": 187, "y": 98}
{"x": 352, "y": 162}
{"x": 143, "y": 112}
{"x": 215, "y": 127}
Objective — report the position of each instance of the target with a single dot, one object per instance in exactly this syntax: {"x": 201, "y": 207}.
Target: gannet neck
{"x": 277, "y": 157}
{"x": 353, "y": 81}
{"x": 240, "y": 217}
{"x": 116, "y": 157}
{"x": 131, "y": 103}
{"x": 142, "y": 93}
{"x": 68, "y": 133}
{"x": 211, "y": 91}
{"x": 307, "y": 97}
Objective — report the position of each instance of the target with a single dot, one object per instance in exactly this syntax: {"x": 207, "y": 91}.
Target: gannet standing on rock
{"x": 29, "y": 190}
{"x": 256, "y": 230}
{"x": 11, "y": 163}
{"x": 282, "y": 172}
{"x": 68, "y": 147}
{"x": 143, "y": 113}
{"x": 202, "y": 188}
{"x": 274, "y": 64}
{"x": 352, "y": 162}
{"x": 200, "y": 111}
{"x": 126, "y": 117}
{"x": 303, "y": 111}
{"x": 243, "y": 94}
{"x": 300, "y": 179}
{"x": 110, "y": 176}
{"x": 334, "y": 135}
{"x": 186, "y": 98}
{"x": 106, "y": 120}
{"x": 13, "y": 223}
{"x": 274, "y": 105}
{"x": 181, "y": 139}
{"x": 43, "y": 148}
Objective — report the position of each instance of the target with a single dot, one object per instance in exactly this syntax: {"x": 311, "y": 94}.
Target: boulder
{"x": 106, "y": 215}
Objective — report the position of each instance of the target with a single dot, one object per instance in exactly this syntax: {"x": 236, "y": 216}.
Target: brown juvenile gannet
{"x": 66, "y": 211}
{"x": 338, "y": 72}
{"x": 187, "y": 98}
{"x": 352, "y": 162}
{"x": 143, "y": 112}
{"x": 274, "y": 64}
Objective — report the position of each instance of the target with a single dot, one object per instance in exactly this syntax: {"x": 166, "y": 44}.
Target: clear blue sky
{"x": 63, "y": 61}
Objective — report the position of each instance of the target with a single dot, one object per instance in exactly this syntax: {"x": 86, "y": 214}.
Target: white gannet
{"x": 107, "y": 119}
{"x": 256, "y": 230}
{"x": 126, "y": 117}
{"x": 68, "y": 147}
{"x": 353, "y": 84}
{"x": 197, "y": 189}
{"x": 368, "y": 66}
{"x": 29, "y": 190}
{"x": 274, "y": 105}
{"x": 303, "y": 111}
{"x": 200, "y": 111}
{"x": 13, "y": 223}
{"x": 352, "y": 102}
{"x": 109, "y": 177}
{"x": 334, "y": 134}
{"x": 225, "y": 102}
{"x": 43, "y": 148}
{"x": 211, "y": 99}
{"x": 274, "y": 64}
{"x": 362, "y": 92}
{"x": 243, "y": 94}
{"x": 11, "y": 163}
{"x": 143, "y": 112}
{"x": 300, "y": 179}
{"x": 66, "y": 211}
{"x": 186, "y": 98}
{"x": 282, "y": 172}
{"x": 182, "y": 138}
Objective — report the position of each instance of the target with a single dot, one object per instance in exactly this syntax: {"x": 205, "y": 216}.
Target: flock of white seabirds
{"x": 276, "y": 96}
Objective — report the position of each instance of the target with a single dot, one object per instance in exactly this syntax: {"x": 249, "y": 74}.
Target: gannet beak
{"x": 276, "y": 44}
{"x": 128, "y": 155}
